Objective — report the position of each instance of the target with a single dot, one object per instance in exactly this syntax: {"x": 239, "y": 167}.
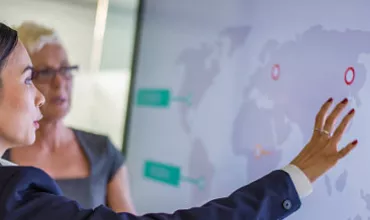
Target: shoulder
{"x": 90, "y": 136}
{"x": 96, "y": 144}
{"x": 15, "y": 180}
{"x": 29, "y": 193}
{"x": 99, "y": 148}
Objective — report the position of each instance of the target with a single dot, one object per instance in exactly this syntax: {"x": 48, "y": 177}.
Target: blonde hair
{"x": 35, "y": 36}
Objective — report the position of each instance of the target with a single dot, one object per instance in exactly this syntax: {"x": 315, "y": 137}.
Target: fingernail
{"x": 330, "y": 100}
{"x": 344, "y": 101}
{"x": 352, "y": 111}
{"x": 354, "y": 142}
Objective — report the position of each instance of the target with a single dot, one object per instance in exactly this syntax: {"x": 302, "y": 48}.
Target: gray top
{"x": 104, "y": 160}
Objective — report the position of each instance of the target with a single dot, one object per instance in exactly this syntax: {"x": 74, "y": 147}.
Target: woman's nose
{"x": 40, "y": 98}
{"x": 58, "y": 81}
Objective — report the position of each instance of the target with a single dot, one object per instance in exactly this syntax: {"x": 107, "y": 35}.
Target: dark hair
{"x": 8, "y": 41}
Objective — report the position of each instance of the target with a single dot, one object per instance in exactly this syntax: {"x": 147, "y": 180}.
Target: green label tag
{"x": 159, "y": 98}
{"x": 163, "y": 173}
{"x": 153, "y": 97}
{"x": 169, "y": 174}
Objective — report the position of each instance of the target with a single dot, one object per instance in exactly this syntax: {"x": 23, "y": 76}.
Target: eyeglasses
{"x": 48, "y": 74}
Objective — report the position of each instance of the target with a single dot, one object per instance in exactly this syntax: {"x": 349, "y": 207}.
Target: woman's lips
{"x": 58, "y": 100}
{"x": 36, "y": 124}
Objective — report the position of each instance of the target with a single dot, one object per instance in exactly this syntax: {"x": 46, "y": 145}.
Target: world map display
{"x": 218, "y": 105}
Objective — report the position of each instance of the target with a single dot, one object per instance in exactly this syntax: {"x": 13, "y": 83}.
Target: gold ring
{"x": 325, "y": 132}
{"x": 322, "y": 131}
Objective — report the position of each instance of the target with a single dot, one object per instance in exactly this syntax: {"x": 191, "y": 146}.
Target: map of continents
{"x": 293, "y": 80}
{"x": 296, "y": 77}
{"x": 201, "y": 65}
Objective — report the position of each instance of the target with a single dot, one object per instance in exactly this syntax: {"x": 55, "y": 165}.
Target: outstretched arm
{"x": 271, "y": 197}
{"x": 29, "y": 193}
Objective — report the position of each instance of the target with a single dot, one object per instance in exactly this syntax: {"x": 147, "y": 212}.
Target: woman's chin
{"x": 27, "y": 141}
{"x": 31, "y": 140}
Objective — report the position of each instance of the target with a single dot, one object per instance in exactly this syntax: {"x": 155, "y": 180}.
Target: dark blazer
{"x": 28, "y": 193}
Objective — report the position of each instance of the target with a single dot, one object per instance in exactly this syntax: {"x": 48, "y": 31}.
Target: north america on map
{"x": 201, "y": 65}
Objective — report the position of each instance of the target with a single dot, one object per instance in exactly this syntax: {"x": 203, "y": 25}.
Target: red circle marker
{"x": 275, "y": 72}
{"x": 350, "y": 72}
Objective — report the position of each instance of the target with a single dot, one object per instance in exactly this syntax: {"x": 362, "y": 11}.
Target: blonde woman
{"x": 86, "y": 166}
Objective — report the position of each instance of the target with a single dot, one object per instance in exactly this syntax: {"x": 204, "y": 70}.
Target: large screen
{"x": 225, "y": 91}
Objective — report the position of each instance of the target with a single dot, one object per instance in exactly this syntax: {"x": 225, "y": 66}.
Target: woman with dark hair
{"x": 86, "y": 166}
{"x": 19, "y": 99}
{"x": 29, "y": 193}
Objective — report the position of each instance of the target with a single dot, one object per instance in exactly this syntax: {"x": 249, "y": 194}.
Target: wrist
{"x": 305, "y": 170}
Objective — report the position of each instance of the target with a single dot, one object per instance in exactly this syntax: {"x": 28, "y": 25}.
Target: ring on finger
{"x": 325, "y": 132}
{"x": 322, "y": 131}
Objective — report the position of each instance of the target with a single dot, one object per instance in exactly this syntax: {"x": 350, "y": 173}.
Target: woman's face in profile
{"x": 19, "y": 100}
{"x": 51, "y": 63}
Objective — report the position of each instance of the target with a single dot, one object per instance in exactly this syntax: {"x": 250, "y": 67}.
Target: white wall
{"x": 119, "y": 37}
{"x": 74, "y": 22}
{"x": 99, "y": 103}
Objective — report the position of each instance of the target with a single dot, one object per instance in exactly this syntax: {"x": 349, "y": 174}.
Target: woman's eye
{"x": 28, "y": 81}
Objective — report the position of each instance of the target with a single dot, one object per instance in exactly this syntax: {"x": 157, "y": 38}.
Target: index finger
{"x": 330, "y": 120}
